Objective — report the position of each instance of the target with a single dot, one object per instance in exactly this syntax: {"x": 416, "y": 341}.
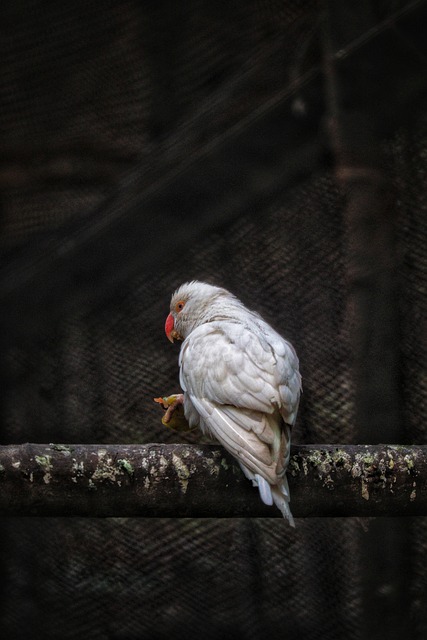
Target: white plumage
{"x": 241, "y": 383}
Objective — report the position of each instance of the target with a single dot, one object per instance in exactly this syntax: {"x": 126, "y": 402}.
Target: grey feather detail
{"x": 251, "y": 420}
{"x": 250, "y": 443}
{"x": 245, "y": 445}
{"x": 282, "y": 502}
{"x": 264, "y": 490}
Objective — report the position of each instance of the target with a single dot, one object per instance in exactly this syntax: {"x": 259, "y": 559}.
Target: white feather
{"x": 264, "y": 489}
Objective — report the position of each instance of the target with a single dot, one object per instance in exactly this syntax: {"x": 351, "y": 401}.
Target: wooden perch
{"x": 204, "y": 481}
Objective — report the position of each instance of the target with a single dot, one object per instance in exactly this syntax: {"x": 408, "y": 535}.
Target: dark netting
{"x": 98, "y": 101}
{"x": 155, "y": 578}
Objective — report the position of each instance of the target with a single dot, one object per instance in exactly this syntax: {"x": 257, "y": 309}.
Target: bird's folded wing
{"x": 231, "y": 377}
{"x": 241, "y": 437}
{"x": 229, "y": 365}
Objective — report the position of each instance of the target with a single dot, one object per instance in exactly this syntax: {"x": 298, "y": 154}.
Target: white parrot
{"x": 241, "y": 383}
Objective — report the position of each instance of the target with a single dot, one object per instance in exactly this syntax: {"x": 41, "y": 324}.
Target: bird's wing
{"x": 287, "y": 373}
{"x": 234, "y": 381}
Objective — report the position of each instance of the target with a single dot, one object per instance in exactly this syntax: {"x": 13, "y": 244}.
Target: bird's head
{"x": 193, "y": 304}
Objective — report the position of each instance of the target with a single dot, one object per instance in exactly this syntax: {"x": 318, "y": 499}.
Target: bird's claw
{"x": 174, "y": 414}
{"x": 171, "y": 408}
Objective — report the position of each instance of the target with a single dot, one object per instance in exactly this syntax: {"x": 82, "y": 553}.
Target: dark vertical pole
{"x": 355, "y": 103}
{"x": 355, "y": 100}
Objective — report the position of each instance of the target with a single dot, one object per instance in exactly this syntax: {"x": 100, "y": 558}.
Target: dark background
{"x": 148, "y": 143}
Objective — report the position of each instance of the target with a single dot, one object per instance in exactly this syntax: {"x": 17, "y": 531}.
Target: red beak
{"x": 169, "y": 325}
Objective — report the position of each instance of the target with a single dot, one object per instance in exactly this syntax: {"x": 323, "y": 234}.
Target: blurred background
{"x": 278, "y": 149}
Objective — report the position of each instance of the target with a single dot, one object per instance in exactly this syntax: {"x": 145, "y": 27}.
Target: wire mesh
{"x": 96, "y": 101}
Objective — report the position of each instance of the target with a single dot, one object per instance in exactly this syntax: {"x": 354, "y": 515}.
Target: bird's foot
{"x": 177, "y": 402}
{"x": 173, "y": 416}
{"x": 170, "y": 404}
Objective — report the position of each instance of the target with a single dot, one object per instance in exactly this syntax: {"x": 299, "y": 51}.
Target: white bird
{"x": 241, "y": 383}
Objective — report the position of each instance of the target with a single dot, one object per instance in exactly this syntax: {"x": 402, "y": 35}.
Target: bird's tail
{"x": 281, "y": 498}
{"x": 277, "y": 494}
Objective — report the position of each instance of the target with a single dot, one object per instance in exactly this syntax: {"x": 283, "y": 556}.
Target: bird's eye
{"x": 179, "y": 306}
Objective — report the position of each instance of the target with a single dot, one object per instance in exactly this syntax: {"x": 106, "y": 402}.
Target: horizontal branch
{"x": 204, "y": 481}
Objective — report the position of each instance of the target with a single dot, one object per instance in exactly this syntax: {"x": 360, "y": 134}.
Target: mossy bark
{"x": 204, "y": 481}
